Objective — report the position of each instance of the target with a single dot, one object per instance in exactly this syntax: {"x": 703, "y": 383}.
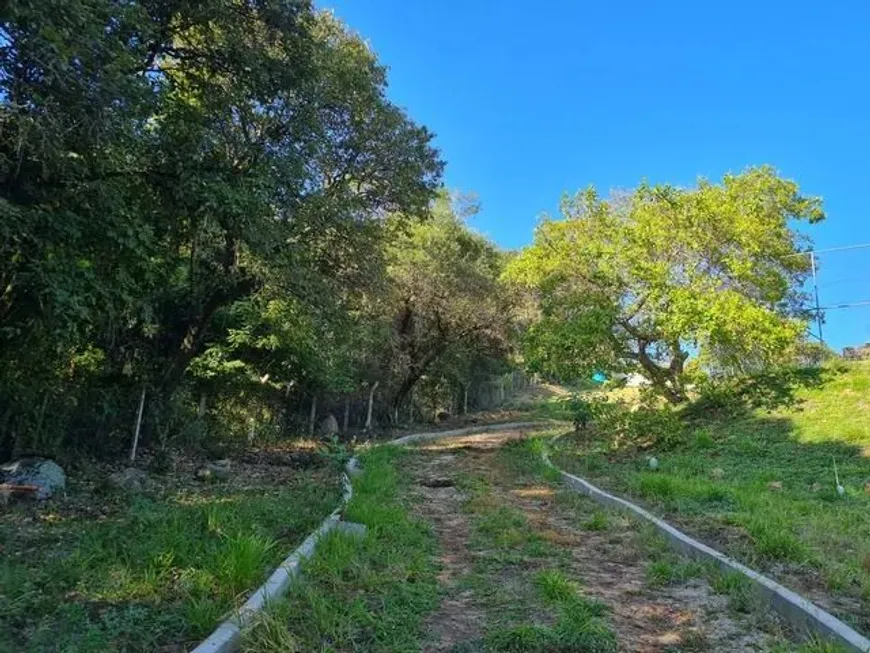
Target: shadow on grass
{"x": 768, "y": 390}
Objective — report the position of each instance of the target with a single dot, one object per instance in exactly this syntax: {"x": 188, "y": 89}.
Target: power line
{"x": 828, "y": 249}
{"x": 850, "y": 305}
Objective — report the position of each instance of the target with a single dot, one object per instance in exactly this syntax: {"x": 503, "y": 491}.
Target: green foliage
{"x": 452, "y": 316}
{"x": 368, "y": 594}
{"x": 218, "y": 203}
{"x": 645, "y": 425}
{"x": 632, "y": 283}
{"x": 758, "y": 482}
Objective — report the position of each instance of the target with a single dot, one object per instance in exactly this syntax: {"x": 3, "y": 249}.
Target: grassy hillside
{"x": 760, "y": 484}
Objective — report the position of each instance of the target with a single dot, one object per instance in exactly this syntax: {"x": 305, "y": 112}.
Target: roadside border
{"x": 795, "y": 609}
{"x": 227, "y": 636}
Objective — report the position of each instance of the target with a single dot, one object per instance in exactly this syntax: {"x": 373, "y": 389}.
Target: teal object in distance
{"x": 599, "y": 377}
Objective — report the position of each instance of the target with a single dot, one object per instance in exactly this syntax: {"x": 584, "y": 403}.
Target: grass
{"x": 146, "y": 572}
{"x": 530, "y": 603}
{"x": 760, "y": 485}
{"x": 365, "y": 594}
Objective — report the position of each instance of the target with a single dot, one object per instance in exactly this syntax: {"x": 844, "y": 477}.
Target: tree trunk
{"x": 200, "y": 410}
{"x": 312, "y": 416}
{"x": 664, "y": 379}
{"x": 368, "y": 425}
{"x": 465, "y": 399}
{"x": 346, "y": 419}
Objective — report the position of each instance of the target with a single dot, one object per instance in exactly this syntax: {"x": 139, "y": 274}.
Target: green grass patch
{"x": 737, "y": 588}
{"x": 670, "y": 571}
{"x": 153, "y": 572}
{"x": 580, "y": 623}
{"x": 360, "y": 594}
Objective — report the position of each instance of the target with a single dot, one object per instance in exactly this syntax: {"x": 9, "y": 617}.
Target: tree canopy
{"x": 183, "y": 180}
{"x": 643, "y": 279}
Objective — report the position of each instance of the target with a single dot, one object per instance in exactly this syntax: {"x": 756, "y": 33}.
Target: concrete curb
{"x": 227, "y": 636}
{"x": 796, "y": 610}
{"x": 486, "y": 428}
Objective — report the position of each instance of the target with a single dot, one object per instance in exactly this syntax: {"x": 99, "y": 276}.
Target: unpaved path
{"x": 609, "y": 562}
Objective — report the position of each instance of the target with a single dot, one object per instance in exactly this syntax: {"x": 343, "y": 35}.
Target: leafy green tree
{"x": 161, "y": 162}
{"x": 446, "y": 294}
{"x": 639, "y": 281}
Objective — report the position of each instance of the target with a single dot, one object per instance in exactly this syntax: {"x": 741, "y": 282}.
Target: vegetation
{"x": 215, "y": 225}
{"x": 111, "y": 572}
{"x": 368, "y": 594}
{"x": 637, "y": 282}
{"x": 752, "y": 472}
{"x": 216, "y": 204}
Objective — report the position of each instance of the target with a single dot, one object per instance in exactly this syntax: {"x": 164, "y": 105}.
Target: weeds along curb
{"x": 796, "y": 610}
{"x": 227, "y": 636}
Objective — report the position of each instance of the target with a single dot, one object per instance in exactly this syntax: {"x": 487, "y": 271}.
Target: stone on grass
{"x": 44, "y": 476}
{"x": 775, "y": 486}
{"x": 816, "y": 487}
{"x": 130, "y": 479}
{"x": 219, "y": 470}
{"x": 329, "y": 426}
{"x": 717, "y": 472}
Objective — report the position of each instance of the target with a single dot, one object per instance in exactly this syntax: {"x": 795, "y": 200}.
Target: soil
{"x": 610, "y": 564}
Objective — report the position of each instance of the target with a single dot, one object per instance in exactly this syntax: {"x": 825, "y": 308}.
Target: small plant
{"x": 335, "y": 451}
{"x": 736, "y": 587}
{"x": 582, "y": 412}
{"x": 597, "y": 522}
{"x": 667, "y": 571}
{"x": 243, "y": 560}
{"x": 554, "y": 587}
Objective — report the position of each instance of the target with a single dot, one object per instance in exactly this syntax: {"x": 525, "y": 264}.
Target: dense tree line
{"x": 215, "y": 203}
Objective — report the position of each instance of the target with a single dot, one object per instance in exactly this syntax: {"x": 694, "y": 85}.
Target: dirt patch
{"x": 458, "y": 618}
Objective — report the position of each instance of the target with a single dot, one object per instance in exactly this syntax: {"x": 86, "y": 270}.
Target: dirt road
{"x": 508, "y": 533}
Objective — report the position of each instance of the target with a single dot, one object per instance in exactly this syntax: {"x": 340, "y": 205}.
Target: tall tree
{"x": 641, "y": 280}
{"x": 161, "y": 161}
{"x": 446, "y": 293}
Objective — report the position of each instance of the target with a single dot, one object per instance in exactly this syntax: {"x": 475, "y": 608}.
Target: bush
{"x": 646, "y": 426}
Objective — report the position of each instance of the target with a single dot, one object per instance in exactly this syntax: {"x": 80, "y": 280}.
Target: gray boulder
{"x": 219, "y": 470}
{"x": 130, "y": 480}
{"x": 46, "y": 476}
{"x": 329, "y": 426}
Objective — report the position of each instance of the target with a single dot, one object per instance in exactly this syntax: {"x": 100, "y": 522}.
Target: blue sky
{"x": 532, "y": 99}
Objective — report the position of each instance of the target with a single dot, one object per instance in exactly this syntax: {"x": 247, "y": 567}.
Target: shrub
{"x": 646, "y": 426}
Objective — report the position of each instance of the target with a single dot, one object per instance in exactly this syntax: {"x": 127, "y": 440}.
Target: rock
{"x": 653, "y": 463}
{"x": 352, "y": 529}
{"x": 130, "y": 479}
{"x": 816, "y": 487}
{"x": 39, "y": 476}
{"x": 775, "y": 486}
{"x": 329, "y": 426}
{"x": 219, "y": 470}
{"x": 717, "y": 472}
